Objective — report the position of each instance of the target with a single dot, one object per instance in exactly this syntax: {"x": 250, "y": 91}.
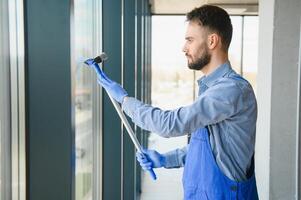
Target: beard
{"x": 201, "y": 62}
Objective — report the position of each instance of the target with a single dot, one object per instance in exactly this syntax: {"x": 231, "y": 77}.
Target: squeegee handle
{"x": 152, "y": 173}
{"x": 127, "y": 126}
{"x": 130, "y": 132}
{"x": 151, "y": 170}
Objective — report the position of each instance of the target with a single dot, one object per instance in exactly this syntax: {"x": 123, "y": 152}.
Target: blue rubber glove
{"x": 150, "y": 159}
{"x": 113, "y": 88}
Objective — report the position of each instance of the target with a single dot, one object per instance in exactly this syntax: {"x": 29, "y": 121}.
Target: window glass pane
{"x": 83, "y": 36}
{"x": 235, "y": 46}
{"x": 172, "y": 86}
{"x": 250, "y": 49}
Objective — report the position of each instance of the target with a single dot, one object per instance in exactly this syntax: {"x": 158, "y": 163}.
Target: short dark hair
{"x": 215, "y": 19}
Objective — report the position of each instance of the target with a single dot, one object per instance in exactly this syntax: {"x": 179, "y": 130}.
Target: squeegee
{"x": 99, "y": 59}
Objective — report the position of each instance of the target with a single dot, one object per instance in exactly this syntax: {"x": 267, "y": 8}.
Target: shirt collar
{"x": 219, "y": 72}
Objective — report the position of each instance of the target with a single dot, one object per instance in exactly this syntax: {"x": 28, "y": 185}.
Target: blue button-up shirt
{"x": 226, "y": 105}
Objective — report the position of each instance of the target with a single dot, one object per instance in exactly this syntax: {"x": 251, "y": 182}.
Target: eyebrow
{"x": 188, "y": 38}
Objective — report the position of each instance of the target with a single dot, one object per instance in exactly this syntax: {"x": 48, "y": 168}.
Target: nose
{"x": 184, "y": 49}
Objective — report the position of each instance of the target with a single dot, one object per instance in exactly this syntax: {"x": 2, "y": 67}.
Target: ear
{"x": 213, "y": 41}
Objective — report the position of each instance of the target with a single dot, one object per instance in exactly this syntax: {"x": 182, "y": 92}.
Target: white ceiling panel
{"x": 233, "y": 7}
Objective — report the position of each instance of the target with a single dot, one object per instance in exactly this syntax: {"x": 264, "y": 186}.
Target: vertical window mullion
{"x": 242, "y": 45}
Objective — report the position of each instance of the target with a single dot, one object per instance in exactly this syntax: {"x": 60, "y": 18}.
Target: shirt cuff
{"x": 171, "y": 159}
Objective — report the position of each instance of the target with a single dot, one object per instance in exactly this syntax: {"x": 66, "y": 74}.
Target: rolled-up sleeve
{"x": 219, "y": 102}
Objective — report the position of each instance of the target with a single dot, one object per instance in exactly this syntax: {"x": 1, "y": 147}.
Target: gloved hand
{"x": 150, "y": 159}
{"x": 113, "y": 88}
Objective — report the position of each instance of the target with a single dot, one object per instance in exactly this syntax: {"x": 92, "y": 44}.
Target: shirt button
{"x": 233, "y": 188}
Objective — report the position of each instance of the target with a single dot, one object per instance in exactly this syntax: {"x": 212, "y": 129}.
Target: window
{"x": 87, "y": 37}
{"x": 250, "y": 49}
{"x": 172, "y": 86}
{"x": 244, "y": 47}
{"x": 12, "y": 99}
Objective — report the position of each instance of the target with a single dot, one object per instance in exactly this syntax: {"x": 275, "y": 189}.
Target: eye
{"x": 190, "y": 40}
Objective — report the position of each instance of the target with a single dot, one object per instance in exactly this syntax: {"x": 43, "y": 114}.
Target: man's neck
{"x": 213, "y": 65}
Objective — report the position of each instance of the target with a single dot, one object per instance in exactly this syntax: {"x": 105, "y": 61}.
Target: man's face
{"x": 195, "y": 48}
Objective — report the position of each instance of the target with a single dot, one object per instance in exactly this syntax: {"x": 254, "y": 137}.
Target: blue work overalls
{"x": 202, "y": 178}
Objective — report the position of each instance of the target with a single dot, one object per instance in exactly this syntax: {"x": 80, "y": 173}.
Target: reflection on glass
{"x": 83, "y": 29}
{"x": 250, "y": 49}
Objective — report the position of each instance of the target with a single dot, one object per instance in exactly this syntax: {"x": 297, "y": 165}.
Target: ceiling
{"x": 178, "y": 7}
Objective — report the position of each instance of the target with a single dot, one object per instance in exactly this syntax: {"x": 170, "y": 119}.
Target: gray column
{"x": 276, "y": 143}
{"x": 129, "y": 68}
{"x": 50, "y": 135}
{"x": 112, "y": 144}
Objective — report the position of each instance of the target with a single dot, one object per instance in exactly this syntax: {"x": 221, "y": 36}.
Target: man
{"x": 219, "y": 160}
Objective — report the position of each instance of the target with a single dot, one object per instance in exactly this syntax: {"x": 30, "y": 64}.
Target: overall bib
{"x": 202, "y": 178}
